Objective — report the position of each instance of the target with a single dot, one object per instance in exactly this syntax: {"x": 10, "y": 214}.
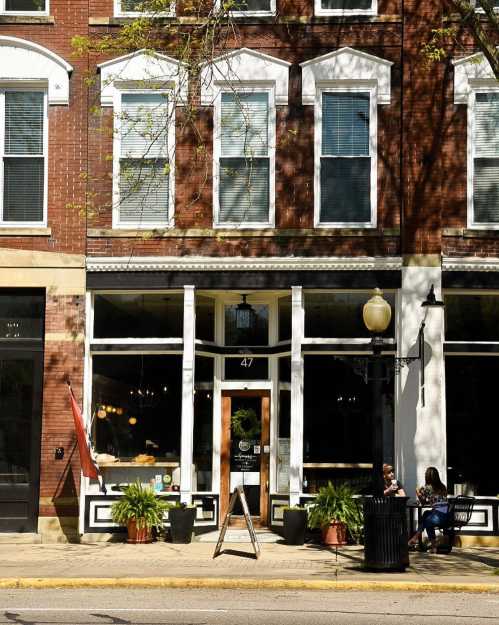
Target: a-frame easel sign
{"x": 238, "y": 492}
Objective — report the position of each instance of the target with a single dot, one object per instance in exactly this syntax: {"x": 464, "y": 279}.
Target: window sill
{"x": 236, "y": 233}
{"x": 472, "y": 233}
{"x": 27, "y": 19}
{"x": 25, "y": 232}
{"x": 123, "y": 20}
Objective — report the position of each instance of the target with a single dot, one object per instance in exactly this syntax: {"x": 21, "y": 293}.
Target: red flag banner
{"x": 88, "y": 467}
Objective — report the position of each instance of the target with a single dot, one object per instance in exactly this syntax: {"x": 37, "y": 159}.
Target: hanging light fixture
{"x": 245, "y": 315}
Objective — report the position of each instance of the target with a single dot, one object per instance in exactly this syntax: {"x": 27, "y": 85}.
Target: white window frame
{"x": 272, "y": 11}
{"x": 217, "y": 154}
{"x": 119, "y": 13}
{"x": 350, "y": 87}
{"x": 12, "y": 87}
{"x": 479, "y": 9}
{"x": 3, "y": 10}
{"x": 117, "y": 111}
{"x": 471, "y": 158}
{"x": 346, "y": 12}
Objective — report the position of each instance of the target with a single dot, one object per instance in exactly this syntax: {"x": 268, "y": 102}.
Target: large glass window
{"x": 486, "y": 158}
{"x": 23, "y": 155}
{"x": 472, "y": 317}
{"x": 136, "y": 406}
{"x": 472, "y": 424}
{"x": 254, "y": 330}
{"x": 244, "y": 162}
{"x": 203, "y": 424}
{"x": 285, "y": 318}
{"x": 346, "y": 158}
{"x": 338, "y": 398}
{"x": 339, "y": 315}
{"x": 345, "y": 7}
{"x": 23, "y": 6}
{"x": 139, "y": 315}
{"x": 143, "y": 7}
{"x": 205, "y": 318}
{"x": 21, "y": 315}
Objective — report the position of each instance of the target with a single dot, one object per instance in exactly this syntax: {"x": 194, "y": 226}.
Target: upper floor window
{"x": 23, "y": 166}
{"x": 346, "y": 163}
{"x": 248, "y": 7}
{"x": 346, "y": 7}
{"x": 144, "y": 139}
{"x": 244, "y": 162}
{"x": 24, "y": 6}
{"x": 134, "y": 8}
{"x": 494, "y": 3}
{"x": 484, "y": 165}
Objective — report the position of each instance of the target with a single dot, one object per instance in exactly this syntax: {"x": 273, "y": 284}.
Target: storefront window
{"x": 203, "y": 424}
{"x": 246, "y": 368}
{"x": 257, "y": 331}
{"x": 21, "y": 315}
{"x": 472, "y": 317}
{"x": 471, "y": 424}
{"x": 285, "y": 318}
{"x": 285, "y": 369}
{"x": 139, "y": 315}
{"x": 136, "y": 407}
{"x": 339, "y": 315}
{"x": 338, "y": 399}
{"x": 205, "y": 318}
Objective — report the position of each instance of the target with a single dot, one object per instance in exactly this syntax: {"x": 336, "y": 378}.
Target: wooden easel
{"x": 238, "y": 492}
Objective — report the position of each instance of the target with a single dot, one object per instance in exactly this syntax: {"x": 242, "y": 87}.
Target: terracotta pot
{"x": 138, "y": 535}
{"x": 334, "y": 534}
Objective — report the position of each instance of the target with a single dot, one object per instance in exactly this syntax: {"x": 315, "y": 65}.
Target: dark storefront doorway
{"x": 21, "y": 375}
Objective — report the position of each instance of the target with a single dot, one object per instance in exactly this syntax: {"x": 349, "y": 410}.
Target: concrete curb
{"x": 243, "y": 583}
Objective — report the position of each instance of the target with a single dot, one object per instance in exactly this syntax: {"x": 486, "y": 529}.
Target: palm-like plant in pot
{"x": 335, "y": 511}
{"x": 140, "y": 510}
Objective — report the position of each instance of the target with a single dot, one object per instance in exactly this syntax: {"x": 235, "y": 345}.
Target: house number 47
{"x": 246, "y": 362}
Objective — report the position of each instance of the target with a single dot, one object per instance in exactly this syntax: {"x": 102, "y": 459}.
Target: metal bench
{"x": 460, "y": 511}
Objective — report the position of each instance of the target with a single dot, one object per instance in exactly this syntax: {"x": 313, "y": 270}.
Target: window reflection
{"x": 256, "y": 334}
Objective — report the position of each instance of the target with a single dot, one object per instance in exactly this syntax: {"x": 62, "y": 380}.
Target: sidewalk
{"x": 280, "y": 566}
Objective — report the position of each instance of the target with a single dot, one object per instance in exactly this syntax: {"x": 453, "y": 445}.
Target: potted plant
{"x": 335, "y": 511}
{"x": 140, "y": 510}
{"x": 181, "y": 518}
{"x": 295, "y": 524}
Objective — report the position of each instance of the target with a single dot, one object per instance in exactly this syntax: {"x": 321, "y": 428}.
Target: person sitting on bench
{"x": 434, "y": 494}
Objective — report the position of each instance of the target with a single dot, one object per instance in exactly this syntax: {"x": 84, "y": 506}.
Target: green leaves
{"x": 140, "y": 503}
{"x": 335, "y": 503}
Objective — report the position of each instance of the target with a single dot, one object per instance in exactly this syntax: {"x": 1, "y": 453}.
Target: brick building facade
{"x": 144, "y": 309}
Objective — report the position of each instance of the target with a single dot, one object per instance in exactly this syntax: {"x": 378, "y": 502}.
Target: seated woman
{"x": 393, "y": 488}
{"x": 434, "y": 494}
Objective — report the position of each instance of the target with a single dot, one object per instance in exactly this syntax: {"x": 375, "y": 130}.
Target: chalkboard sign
{"x": 238, "y": 492}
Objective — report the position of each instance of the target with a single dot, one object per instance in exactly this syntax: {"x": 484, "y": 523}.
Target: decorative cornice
{"x": 470, "y": 264}
{"x": 196, "y": 263}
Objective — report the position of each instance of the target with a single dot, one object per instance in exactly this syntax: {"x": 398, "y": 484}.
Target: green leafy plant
{"x": 140, "y": 503}
{"x": 335, "y": 503}
{"x": 178, "y": 505}
{"x": 245, "y": 424}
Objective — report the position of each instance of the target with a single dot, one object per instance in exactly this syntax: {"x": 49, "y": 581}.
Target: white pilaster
{"x": 186, "y": 443}
{"x": 420, "y": 431}
{"x": 296, "y": 433}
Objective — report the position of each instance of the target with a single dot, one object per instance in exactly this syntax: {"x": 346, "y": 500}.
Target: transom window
{"x": 245, "y": 162}
{"x": 134, "y": 8}
{"x": 346, "y": 173}
{"x": 144, "y": 165}
{"x": 485, "y": 160}
{"x": 23, "y": 6}
{"x": 24, "y": 151}
{"x": 346, "y": 7}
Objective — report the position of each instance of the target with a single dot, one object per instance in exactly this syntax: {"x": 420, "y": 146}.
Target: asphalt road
{"x": 243, "y": 607}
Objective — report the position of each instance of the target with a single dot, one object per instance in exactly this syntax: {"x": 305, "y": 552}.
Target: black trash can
{"x": 385, "y": 533}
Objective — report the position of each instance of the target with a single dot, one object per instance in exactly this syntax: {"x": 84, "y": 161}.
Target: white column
{"x": 420, "y": 431}
{"x": 186, "y": 443}
{"x": 296, "y": 433}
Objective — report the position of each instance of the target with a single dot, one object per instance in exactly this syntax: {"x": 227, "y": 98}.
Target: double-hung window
{"x": 24, "y": 7}
{"x": 144, "y": 165}
{"x": 136, "y": 8}
{"x": 23, "y": 142}
{"x": 244, "y": 161}
{"x": 346, "y": 7}
{"x": 248, "y": 7}
{"x": 346, "y": 163}
{"x": 484, "y": 165}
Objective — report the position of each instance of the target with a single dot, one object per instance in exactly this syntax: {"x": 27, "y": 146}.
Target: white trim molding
{"x": 140, "y": 69}
{"x": 471, "y": 72}
{"x": 470, "y": 264}
{"x": 342, "y": 67}
{"x": 27, "y": 62}
{"x": 4, "y": 11}
{"x": 345, "y": 12}
{"x": 244, "y": 67}
{"x": 197, "y": 263}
